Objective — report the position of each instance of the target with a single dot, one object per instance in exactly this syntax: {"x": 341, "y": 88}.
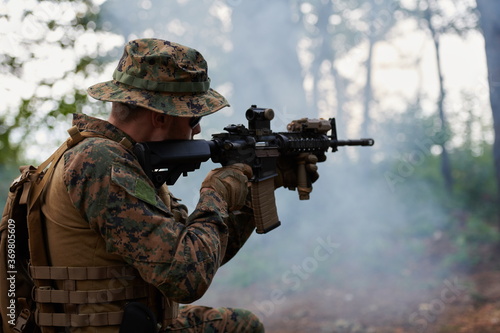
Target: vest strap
{"x": 82, "y": 273}
{"x": 75, "y": 135}
{"x": 45, "y": 295}
{"x": 78, "y": 320}
{"x": 23, "y": 317}
{"x": 170, "y": 311}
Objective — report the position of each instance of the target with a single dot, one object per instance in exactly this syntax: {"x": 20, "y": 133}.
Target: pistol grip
{"x": 264, "y": 206}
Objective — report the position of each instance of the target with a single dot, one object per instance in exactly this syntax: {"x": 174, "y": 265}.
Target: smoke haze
{"x": 347, "y": 253}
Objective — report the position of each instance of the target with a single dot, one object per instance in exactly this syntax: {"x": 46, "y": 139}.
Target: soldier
{"x": 122, "y": 253}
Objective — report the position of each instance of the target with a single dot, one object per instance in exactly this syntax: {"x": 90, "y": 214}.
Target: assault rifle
{"x": 257, "y": 146}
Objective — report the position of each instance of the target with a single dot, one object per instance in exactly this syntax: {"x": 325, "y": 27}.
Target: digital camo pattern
{"x": 215, "y": 320}
{"x": 163, "y": 76}
{"x": 110, "y": 190}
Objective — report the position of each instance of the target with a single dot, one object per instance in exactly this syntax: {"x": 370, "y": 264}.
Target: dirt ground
{"x": 424, "y": 297}
{"x": 422, "y": 300}
{"x": 462, "y": 304}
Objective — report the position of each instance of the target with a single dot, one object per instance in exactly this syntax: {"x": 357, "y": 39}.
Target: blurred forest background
{"x": 400, "y": 237}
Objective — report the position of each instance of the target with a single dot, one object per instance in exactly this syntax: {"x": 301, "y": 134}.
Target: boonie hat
{"x": 162, "y": 76}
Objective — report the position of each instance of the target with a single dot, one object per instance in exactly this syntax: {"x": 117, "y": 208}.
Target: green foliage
{"x": 473, "y": 245}
{"x": 7, "y": 175}
{"x": 473, "y": 212}
{"x": 50, "y": 47}
{"x": 461, "y": 225}
{"x": 475, "y": 189}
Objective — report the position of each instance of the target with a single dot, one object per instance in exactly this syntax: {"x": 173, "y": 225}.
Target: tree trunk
{"x": 445, "y": 158}
{"x": 490, "y": 11}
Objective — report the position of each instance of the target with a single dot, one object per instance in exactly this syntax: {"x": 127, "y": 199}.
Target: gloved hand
{"x": 289, "y": 172}
{"x": 231, "y": 183}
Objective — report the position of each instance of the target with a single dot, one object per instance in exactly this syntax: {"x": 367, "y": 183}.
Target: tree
{"x": 436, "y": 18}
{"x": 489, "y": 11}
{"x": 49, "y": 48}
{"x": 431, "y": 11}
{"x": 330, "y": 34}
{"x": 334, "y": 29}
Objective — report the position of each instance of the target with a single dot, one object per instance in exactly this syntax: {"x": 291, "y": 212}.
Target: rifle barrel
{"x": 359, "y": 142}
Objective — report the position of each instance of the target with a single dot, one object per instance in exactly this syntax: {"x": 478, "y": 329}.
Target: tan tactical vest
{"x": 83, "y": 287}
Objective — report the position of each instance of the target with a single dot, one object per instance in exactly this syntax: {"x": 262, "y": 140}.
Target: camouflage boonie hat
{"x": 161, "y": 76}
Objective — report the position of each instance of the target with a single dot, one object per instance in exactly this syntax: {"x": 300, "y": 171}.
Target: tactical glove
{"x": 230, "y": 182}
{"x": 297, "y": 172}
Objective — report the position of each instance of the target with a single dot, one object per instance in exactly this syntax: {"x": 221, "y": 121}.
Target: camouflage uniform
{"x": 176, "y": 253}
{"x": 102, "y": 210}
{"x": 143, "y": 79}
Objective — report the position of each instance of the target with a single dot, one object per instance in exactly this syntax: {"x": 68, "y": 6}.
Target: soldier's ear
{"x": 158, "y": 120}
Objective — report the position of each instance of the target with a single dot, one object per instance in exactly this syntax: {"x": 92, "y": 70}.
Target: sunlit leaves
{"x": 49, "y": 50}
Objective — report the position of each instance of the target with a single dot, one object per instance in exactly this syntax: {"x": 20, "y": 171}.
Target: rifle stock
{"x": 257, "y": 146}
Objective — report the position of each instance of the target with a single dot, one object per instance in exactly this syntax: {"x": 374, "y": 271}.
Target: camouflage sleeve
{"x": 112, "y": 193}
{"x": 179, "y": 210}
{"x": 240, "y": 227}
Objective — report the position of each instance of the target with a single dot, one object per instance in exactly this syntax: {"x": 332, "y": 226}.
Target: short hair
{"x": 124, "y": 112}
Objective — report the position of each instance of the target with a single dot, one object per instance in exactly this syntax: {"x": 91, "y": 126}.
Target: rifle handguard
{"x": 264, "y": 206}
